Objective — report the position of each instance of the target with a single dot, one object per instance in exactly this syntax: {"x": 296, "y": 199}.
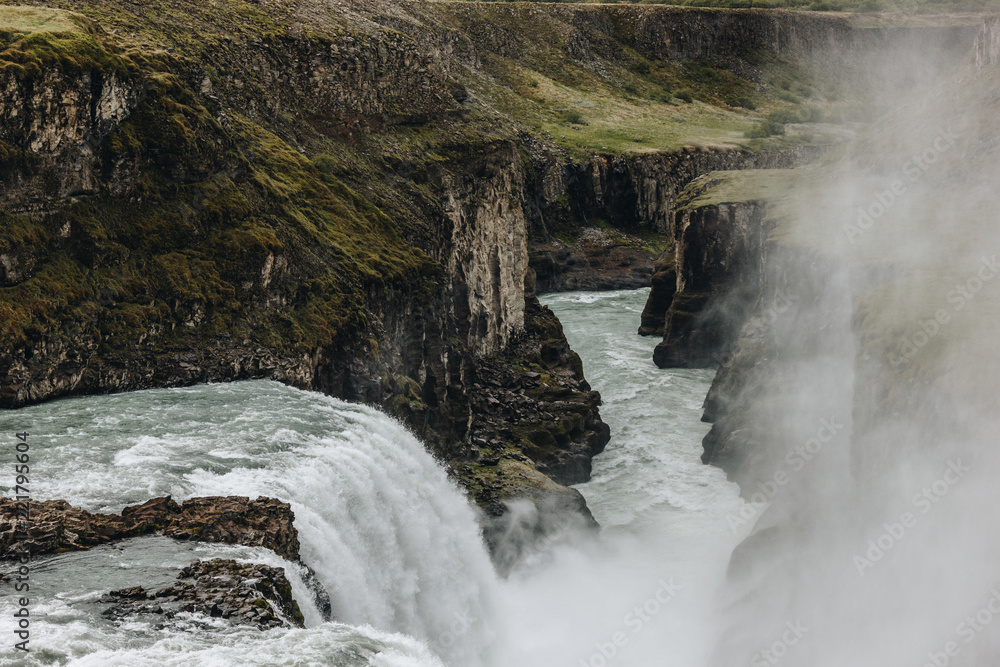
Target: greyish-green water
{"x": 392, "y": 541}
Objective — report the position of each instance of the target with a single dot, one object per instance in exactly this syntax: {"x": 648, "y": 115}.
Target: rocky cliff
{"x": 345, "y": 197}
{"x": 862, "y": 371}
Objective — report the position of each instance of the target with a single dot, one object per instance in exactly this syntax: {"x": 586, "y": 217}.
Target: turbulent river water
{"x": 390, "y": 538}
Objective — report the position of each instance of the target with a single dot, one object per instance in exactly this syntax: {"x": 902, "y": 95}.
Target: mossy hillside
{"x": 183, "y": 26}
{"x": 29, "y": 52}
{"x": 33, "y": 19}
{"x": 630, "y": 103}
{"x": 210, "y": 208}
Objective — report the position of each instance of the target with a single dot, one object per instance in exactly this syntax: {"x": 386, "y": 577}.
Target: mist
{"x": 871, "y": 421}
{"x": 864, "y": 428}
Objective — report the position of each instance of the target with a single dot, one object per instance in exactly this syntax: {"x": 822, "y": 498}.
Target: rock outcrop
{"x": 244, "y": 594}
{"x": 54, "y": 526}
{"x": 663, "y": 286}
{"x": 343, "y": 197}
{"x": 702, "y": 294}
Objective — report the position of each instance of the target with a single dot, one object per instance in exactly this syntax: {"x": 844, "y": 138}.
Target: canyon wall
{"x": 333, "y": 197}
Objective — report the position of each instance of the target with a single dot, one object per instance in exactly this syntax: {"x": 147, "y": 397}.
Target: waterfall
{"x": 392, "y": 540}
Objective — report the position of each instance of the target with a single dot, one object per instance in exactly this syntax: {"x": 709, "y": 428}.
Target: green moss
{"x": 72, "y": 52}
{"x": 33, "y": 19}
{"x": 217, "y": 215}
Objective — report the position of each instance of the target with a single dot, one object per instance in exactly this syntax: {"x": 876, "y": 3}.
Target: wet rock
{"x": 717, "y": 267}
{"x": 244, "y": 594}
{"x": 55, "y": 526}
{"x": 663, "y": 287}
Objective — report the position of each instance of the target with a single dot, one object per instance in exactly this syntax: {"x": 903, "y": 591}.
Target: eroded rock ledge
{"x": 245, "y": 594}
{"x": 56, "y": 526}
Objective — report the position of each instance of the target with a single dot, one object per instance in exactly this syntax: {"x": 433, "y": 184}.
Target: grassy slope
{"x": 628, "y": 103}
{"x": 195, "y": 247}
{"x": 930, "y": 241}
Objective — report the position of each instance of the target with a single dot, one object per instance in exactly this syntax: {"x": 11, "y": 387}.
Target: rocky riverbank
{"x": 349, "y": 198}
{"x": 243, "y": 594}
{"x": 54, "y": 526}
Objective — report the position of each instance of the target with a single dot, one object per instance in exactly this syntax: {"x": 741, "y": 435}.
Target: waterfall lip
{"x": 232, "y": 520}
{"x": 391, "y": 543}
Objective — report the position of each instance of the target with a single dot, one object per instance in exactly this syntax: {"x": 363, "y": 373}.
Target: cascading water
{"x": 394, "y": 543}
{"x": 643, "y": 593}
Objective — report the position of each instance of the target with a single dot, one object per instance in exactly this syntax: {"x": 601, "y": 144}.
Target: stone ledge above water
{"x": 55, "y": 526}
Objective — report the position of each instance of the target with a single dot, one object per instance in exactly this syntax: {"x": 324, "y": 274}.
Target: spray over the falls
{"x": 880, "y": 548}
{"x": 394, "y": 543}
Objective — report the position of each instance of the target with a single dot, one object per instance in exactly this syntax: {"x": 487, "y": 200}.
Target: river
{"x": 390, "y": 538}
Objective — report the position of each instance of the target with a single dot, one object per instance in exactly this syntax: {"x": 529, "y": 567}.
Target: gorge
{"x": 389, "y": 206}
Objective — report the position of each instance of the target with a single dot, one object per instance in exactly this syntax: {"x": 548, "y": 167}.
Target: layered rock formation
{"x": 704, "y": 290}
{"x": 243, "y": 594}
{"x": 344, "y": 198}
{"x": 54, "y": 526}
{"x": 863, "y": 371}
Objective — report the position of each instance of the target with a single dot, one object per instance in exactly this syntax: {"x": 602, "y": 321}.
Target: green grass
{"x": 724, "y": 187}
{"x": 35, "y": 19}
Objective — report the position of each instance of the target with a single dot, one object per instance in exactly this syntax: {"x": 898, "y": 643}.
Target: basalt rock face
{"x": 663, "y": 286}
{"x": 597, "y": 260}
{"x": 634, "y": 194}
{"x": 717, "y": 266}
{"x": 243, "y": 594}
{"x": 54, "y": 526}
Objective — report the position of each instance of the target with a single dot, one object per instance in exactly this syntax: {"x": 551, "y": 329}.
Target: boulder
{"x": 54, "y": 526}
{"x": 244, "y": 594}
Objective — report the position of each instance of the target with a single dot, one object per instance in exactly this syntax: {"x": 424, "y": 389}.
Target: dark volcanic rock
{"x": 55, "y": 526}
{"x": 719, "y": 256}
{"x": 663, "y": 287}
{"x": 597, "y": 261}
{"x": 245, "y": 594}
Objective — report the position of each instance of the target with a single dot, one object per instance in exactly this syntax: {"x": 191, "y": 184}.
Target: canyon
{"x": 322, "y": 196}
{"x": 366, "y": 200}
